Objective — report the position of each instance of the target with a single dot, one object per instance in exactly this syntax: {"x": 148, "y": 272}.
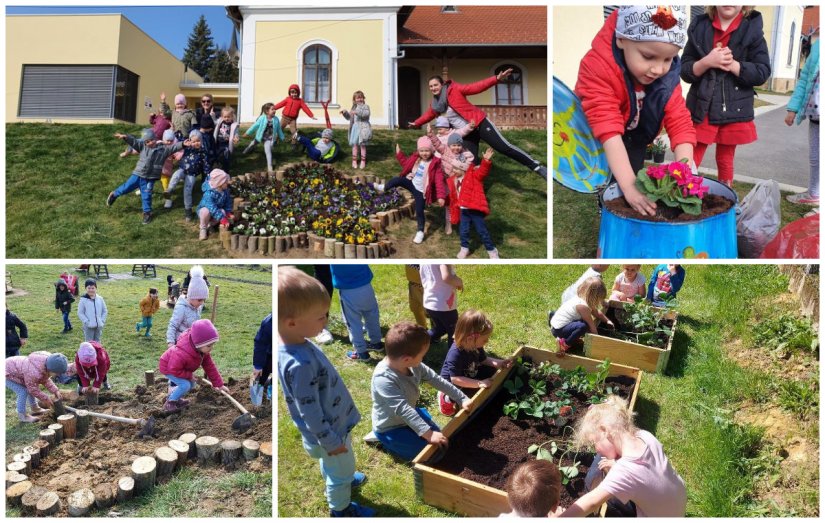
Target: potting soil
{"x": 615, "y": 315}
{"x": 712, "y": 204}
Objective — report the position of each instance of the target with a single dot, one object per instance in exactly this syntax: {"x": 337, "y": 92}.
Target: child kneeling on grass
{"x": 402, "y": 428}
{"x": 25, "y": 374}
{"x": 533, "y": 490}
{"x": 575, "y": 317}
{"x": 92, "y": 364}
{"x": 216, "y": 204}
{"x": 467, "y": 366}
{"x": 317, "y": 398}
{"x": 190, "y": 352}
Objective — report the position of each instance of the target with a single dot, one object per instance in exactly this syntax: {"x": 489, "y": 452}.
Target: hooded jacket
{"x": 183, "y": 316}
{"x": 472, "y": 191}
{"x": 31, "y": 372}
{"x": 95, "y": 374}
{"x": 63, "y": 299}
{"x": 151, "y": 159}
{"x": 92, "y": 312}
{"x": 13, "y": 323}
{"x": 435, "y": 188}
{"x": 149, "y": 305}
{"x": 183, "y": 359}
{"x": 457, "y": 99}
{"x": 292, "y": 106}
{"x": 260, "y": 126}
{"x": 804, "y": 86}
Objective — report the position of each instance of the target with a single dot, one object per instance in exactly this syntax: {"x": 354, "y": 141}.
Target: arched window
{"x": 793, "y": 41}
{"x": 317, "y": 68}
{"x": 510, "y": 90}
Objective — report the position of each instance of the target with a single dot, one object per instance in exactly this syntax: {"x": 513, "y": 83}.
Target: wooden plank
{"x": 625, "y": 352}
{"x": 461, "y": 496}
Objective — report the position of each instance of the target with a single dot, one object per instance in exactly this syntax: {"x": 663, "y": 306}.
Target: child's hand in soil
{"x": 340, "y": 450}
{"x": 507, "y": 363}
{"x": 639, "y": 201}
{"x": 45, "y": 403}
{"x": 436, "y": 438}
{"x": 605, "y": 464}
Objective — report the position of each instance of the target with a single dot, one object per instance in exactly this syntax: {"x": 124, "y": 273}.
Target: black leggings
{"x": 488, "y": 132}
{"x": 418, "y": 196}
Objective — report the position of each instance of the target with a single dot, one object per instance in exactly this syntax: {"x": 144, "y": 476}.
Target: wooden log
{"x": 13, "y": 477}
{"x": 44, "y": 448}
{"x": 34, "y": 452}
{"x": 58, "y": 433}
{"x": 226, "y": 238}
{"x": 149, "y": 377}
{"x": 339, "y": 250}
{"x": 374, "y": 248}
{"x": 280, "y": 244}
{"x": 14, "y": 494}
{"x": 91, "y": 398}
{"x": 167, "y": 460}
{"x": 144, "y": 471}
{"x": 189, "y": 439}
{"x": 28, "y": 503}
{"x": 208, "y": 450}
{"x": 266, "y": 451}
{"x": 252, "y": 244}
{"x": 58, "y": 408}
{"x": 230, "y": 454}
{"x": 26, "y": 459}
{"x": 296, "y": 240}
{"x": 329, "y": 247}
{"x": 125, "y": 489}
{"x": 242, "y": 241}
{"x": 80, "y": 502}
{"x": 270, "y": 245}
{"x": 17, "y": 466}
{"x": 182, "y": 450}
{"x": 104, "y": 495}
{"x": 48, "y": 504}
{"x": 361, "y": 252}
{"x": 384, "y": 218}
{"x": 349, "y": 251}
{"x": 49, "y": 437}
{"x": 251, "y": 449}
{"x": 83, "y": 422}
{"x": 303, "y": 240}
{"x": 69, "y": 422}
{"x": 233, "y": 244}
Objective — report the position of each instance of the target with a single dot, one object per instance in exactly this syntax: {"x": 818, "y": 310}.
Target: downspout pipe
{"x": 394, "y": 110}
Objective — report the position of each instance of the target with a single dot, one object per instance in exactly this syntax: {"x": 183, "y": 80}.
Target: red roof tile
{"x": 810, "y": 19}
{"x": 476, "y": 25}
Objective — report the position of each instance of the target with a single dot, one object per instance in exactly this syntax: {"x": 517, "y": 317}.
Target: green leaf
{"x": 544, "y": 454}
{"x": 532, "y": 448}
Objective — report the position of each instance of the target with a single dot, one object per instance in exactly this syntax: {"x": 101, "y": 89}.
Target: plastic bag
{"x": 798, "y": 239}
{"x": 758, "y": 219}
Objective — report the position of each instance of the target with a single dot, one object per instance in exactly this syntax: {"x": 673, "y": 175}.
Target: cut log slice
{"x": 28, "y": 503}
{"x": 16, "y": 491}
{"x": 48, "y": 436}
{"x": 17, "y": 466}
{"x": 83, "y": 422}
{"x": 231, "y": 454}
{"x": 182, "y": 449}
{"x": 125, "y": 489}
{"x": 13, "y": 477}
{"x": 58, "y": 432}
{"x": 208, "y": 450}
{"x": 251, "y": 449}
{"x": 69, "y": 422}
{"x": 91, "y": 398}
{"x": 144, "y": 470}
{"x": 149, "y": 376}
{"x": 58, "y": 408}
{"x": 266, "y": 451}
{"x": 43, "y": 447}
{"x": 34, "y": 453}
{"x": 104, "y": 495}
{"x": 80, "y": 502}
{"x": 167, "y": 459}
{"x": 48, "y": 504}
{"x": 26, "y": 459}
{"x": 189, "y": 439}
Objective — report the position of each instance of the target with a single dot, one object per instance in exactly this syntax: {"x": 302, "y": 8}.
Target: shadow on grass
{"x": 679, "y": 351}
{"x": 647, "y": 414}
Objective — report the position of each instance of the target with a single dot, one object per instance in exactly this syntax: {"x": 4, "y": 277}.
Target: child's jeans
{"x": 182, "y": 386}
{"x": 337, "y": 471}
{"x": 92, "y": 333}
{"x": 418, "y": 196}
{"x": 145, "y": 322}
{"x": 23, "y": 395}
{"x": 188, "y": 185}
{"x": 813, "y": 156}
{"x": 443, "y": 323}
{"x": 360, "y": 307}
{"x": 146, "y": 187}
{"x": 403, "y": 442}
{"x": 476, "y": 219}
{"x": 571, "y": 332}
{"x": 67, "y": 324}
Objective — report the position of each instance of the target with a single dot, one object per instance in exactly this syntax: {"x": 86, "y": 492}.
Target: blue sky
{"x": 169, "y": 25}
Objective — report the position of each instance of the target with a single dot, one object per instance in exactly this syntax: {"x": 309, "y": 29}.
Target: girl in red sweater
{"x": 293, "y": 104}
{"x": 468, "y": 204}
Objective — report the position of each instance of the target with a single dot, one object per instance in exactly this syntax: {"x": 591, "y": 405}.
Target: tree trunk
{"x": 58, "y": 433}
{"x": 144, "y": 470}
{"x": 91, "y": 398}
{"x": 49, "y": 437}
{"x": 189, "y": 439}
{"x": 104, "y": 495}
{"x": 69, "y": 422}
{"x": 58, "y": 408}
{"x": 17, "y": 466}
{"x": 13, "y": 477}
{"x": 208, "y": 450}
{"x": 28, "y": 503}
{"x": 230, "y": 454}
{"x": 48, "y": 504}
{"x": 149, "y": 376}
{"x": 25, "y": 459}
{"x": 167, "y": 459}
{"x": 251, "y": 448}
{"x": 16, "y": 491}
{"x": 34, "y": 453}
{"x": 182, "y": 450}
{"x": 80, "y": 502}
{"x": 125, "y": 489}
{"x": 83, "y": 422}
{"x": 266, "y": 451}
{"x": 44, "y": 447}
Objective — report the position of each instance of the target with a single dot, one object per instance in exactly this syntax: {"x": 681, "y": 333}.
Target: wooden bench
{"x": 146, "y": 270}
{"x": 100, "y": 269}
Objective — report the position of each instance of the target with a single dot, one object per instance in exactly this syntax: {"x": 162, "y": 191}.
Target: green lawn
{"x": 58, "y": 177}
{"x": 725, "y": 463}
{"x": 245, "y": 298}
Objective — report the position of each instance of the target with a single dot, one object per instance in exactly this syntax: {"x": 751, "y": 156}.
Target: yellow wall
{"x": 573, "y": 32}
{"x": 360, "y": 61}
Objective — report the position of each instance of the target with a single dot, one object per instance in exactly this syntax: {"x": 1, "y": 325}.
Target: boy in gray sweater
{"x": 402, "y": 428}
{"x": 317, "y": 398}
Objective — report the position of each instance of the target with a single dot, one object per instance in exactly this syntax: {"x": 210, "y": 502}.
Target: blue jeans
{"x": 360, "y": 307}
{"x": 418, "y": 196}
{"x": 146, "y": 322}
{"x": 403, "y": 442}
{"x": 476, "y": 219}
{"x": 182, "y": 386}
{"x": 146, "y": 187}
{"x": 337, "y": 471}
{"x": 571, "y": 332}
{"x": 23, "y": 395}
{"x": 66, "y": 323}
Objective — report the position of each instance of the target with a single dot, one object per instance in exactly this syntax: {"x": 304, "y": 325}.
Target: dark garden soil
{"x": 107, "y": 452}
{"x": 491, "y": 445}
{"x": 616, "y": 315}
{"x": 712, "y": 204}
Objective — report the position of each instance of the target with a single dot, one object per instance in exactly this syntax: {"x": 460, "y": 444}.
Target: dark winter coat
{"x": 63, "y": 298}
{"x": 13, "y": 324}
{"x": 720, "y": 95}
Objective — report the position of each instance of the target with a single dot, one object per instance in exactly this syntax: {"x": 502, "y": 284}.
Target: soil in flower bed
{"x": 492, "y": 445}
{"x": 712, "y": 204}
{"x": 615, "y": 315}
{"x": 108, "y": 450}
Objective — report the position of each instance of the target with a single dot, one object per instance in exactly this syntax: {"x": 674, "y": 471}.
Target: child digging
{"x": 190, "y": 352}
{"x": 92, "y": 364}
{"x": 576, "y": 316}
{"x": 149, "y": 305}
{"x": 317, "y": 398}
{"x": 63, "y": 300}
{"x": 25, "y": 375}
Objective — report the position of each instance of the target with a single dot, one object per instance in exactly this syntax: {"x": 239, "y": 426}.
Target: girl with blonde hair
{"x": 577, "y": 315}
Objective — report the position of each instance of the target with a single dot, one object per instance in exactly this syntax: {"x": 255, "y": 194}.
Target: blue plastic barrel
{"x": 713, "y": 237}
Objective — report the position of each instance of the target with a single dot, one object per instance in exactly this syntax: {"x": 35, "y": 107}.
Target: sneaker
{"x": 446, "y": 405}
{"x": 493, "y": 255}
{"x": 171, "y": 406}
{"x": 25, "y": 418}
{"x": 147, "y": 217}
{"x": 448, "y": 228}
{"x": 370, "y": 438}
{"x": 804, "y": 198}
{"x": 563, "y": 346}
{"x": 463, "y": 253}
{"x": 811, "y": 213}
{"x": 354, "y": 510}
{"x": 188, "y": 214}
{"x": 167, "y": 203}
{"x": 378, "y": 187}
{"x": 357, "y": 356}
{"x": 358, "y": 479}
{"x": 111, "y": 199}
{"x": 419, "y": 237}
{"x": 375, "y": 347}
{"x": 137, "y": 327}
{"x": 183, "y": 403}
{"x": 106, "y": 385}
{"x": 203, "y": 234}
{"x": 324, "y": 337}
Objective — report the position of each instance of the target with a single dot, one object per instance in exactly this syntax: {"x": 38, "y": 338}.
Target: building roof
{"x": 475, "y": 25}
{"x": 810, "y": 20}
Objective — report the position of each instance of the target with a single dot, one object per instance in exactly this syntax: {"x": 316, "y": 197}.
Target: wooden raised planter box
{"x": 644, "y": 357}
{"x": 455, "y": 494}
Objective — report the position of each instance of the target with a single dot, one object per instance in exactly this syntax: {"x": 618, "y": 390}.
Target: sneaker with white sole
{"x": 378, "y": 187}
{"x": 463, "y": 253}
{"x": 167, "y": 204}
{"x": 371, "y": 439}
{"x": 493, "y": 255}
{"x": 203, "y": 234}
{"x": 419, "y": 237}
{"x": 324, "y": 337}
{"x": 804, "y": 198}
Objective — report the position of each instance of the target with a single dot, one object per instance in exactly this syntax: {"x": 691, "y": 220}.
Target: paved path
{"x": 780, "y": 153}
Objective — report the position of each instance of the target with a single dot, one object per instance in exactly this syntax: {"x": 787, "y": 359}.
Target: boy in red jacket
{"x": 180, "y": 362}
{"x": 629, "y": 88}
{"x": 92, "y": 365}
{"x": 292, "y": 105}
{"x": 468, "y": 204}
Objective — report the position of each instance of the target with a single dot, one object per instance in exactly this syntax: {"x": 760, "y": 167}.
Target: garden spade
{"x": 140, "y": 422}
{"x": 243, "y": 422}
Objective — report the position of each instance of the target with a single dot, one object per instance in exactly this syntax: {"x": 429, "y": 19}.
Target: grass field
{"x": 731, "y": 466}
{"x": 245, "y": 298}
{"x": 58, "y": 177}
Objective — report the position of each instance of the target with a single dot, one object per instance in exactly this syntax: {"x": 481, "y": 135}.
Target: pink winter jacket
{"x": 182, "y": 360}
{"x": 31, "y": 371}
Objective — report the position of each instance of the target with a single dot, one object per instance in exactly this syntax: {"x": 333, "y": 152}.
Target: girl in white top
{"x": 577, "y": 316}
{"x": 441, "y": 286}
{"x": 628, "y": 284}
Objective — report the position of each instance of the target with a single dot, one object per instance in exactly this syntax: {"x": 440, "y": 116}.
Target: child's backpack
{"x": 71, "y": 282}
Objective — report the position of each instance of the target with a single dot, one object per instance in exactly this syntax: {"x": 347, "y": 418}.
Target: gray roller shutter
{"x": 66, "y": 91}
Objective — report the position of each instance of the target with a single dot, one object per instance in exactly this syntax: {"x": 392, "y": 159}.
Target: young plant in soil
{"x": 641, "y": 322}
{"x": 560, "y": 449}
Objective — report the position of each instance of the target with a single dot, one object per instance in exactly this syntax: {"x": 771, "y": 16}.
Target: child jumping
{"x": 576, "y": 316}
{"x": 149, "y": 305}
{"x": 467, "y": 365}
{"x": 726, "y": 56}
{"x": 629, "y": 87}
{"x": 226, "y": 137}
{"x": 190, "y": 352}
{"x": 216, "y": 204}
{"x": 195, "y": 161}
{"x": 25, "y": 375}
{"x": 360, "y": 130}
{"x": 316, "y": 396}
{"x": 468, "y": 204}
{"x": 267, "y": 130}
{"x": 533, "y": 490}
{"x": 92, "y": 366}
{"x": 63, "y": 299}
{"x": 628, "y": 284}
{"x": 293, "y": 104}
{"x": 402, "y": 428}
{"x": 359, "y": 308}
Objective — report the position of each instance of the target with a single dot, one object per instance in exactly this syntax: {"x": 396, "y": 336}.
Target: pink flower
{"x": 657, "y": 172}
{"x": 694, "y": 186}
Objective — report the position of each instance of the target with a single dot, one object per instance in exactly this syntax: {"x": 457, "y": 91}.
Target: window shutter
{"x": 67, "y": 91}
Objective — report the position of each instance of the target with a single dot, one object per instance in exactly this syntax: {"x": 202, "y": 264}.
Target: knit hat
{"x": 217, "y": 178}
{"x": 168, "y": 135}
{"x": 87, "y": 354}
{"x": 424, "y": 143}
{"x": 90, "y": 281}
{"x": 194, "y": 133}
{"x": 203, "y": 333}
{"x": 442, "y": 122}
{"x": 197, "y": 286}
{"x": 326, "y": 133}
{"x": 147, "y": 134}
{"x": 455, "y": 139}
{"x": 662, "y": 23}
{"x": 57, "y": 363}
{"x": 180, "y": 99}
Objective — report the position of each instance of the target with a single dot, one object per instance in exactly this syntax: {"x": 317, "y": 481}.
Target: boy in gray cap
{"x": 322, "y": 149}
